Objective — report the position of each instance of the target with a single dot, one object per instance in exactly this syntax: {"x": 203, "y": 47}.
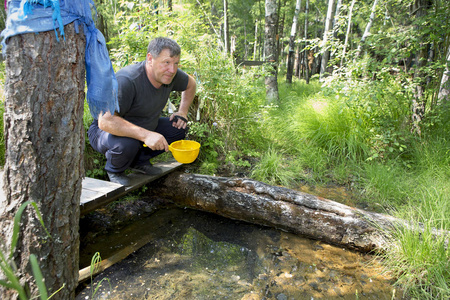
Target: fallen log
{"x": 279, "y": 207}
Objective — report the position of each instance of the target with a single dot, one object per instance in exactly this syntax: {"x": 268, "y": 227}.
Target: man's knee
{"x": 122, "y": 152}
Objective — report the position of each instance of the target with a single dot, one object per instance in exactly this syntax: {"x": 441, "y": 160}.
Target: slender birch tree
{"x": 444, "y": 90}
{"x": 305, "y": 51}
{"x": 367, "y": 30}
{"x": 347, "y": 34}
{"x": 325, "y": 52}
{"x": 226, "y": 33}
{"x": 291, "y": 55}
{"x": 270, "y": 47}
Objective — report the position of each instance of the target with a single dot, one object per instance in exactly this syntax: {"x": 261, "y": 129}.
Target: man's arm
{"x": 116, "y": 125}
{"x": 187, "y": 96}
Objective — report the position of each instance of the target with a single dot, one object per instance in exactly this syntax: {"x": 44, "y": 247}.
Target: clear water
{"x": 196, "y": 255}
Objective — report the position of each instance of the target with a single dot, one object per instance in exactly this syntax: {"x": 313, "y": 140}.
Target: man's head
{"x": 163, "y": 58}
{"x": 160, "y": 43}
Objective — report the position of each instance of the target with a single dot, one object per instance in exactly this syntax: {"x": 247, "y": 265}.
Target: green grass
{"x": 274, "y": 169}
{"x": 419, "y": 256}
{"x": 360, "y": 138}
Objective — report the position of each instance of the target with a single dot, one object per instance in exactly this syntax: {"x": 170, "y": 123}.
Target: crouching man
{"x": 144, "y": 89}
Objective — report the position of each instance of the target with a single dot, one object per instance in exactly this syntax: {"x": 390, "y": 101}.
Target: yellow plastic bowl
{"x": 185, "y": 151}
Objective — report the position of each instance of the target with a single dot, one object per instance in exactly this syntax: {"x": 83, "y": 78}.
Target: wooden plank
{"x": 96, "y": 193}
{"x": 137, "y": 180}
{"x": 95, "y": 189}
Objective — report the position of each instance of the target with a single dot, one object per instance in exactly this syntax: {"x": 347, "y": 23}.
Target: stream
{"x": 191, "y": 254}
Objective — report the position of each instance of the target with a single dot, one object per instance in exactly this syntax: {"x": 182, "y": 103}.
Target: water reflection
{"x": 195, "y": 255}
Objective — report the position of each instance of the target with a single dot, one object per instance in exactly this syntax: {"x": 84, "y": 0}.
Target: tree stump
{"x": 44, "y": 134}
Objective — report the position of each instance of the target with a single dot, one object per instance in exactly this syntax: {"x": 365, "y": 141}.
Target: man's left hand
{"x": 178, "y": 120}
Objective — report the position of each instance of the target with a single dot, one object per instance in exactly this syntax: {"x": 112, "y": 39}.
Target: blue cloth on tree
{"x": 26, "y": 16}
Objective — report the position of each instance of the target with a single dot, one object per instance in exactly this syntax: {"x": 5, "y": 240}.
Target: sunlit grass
{"x": 274, "y": 169}
{"x": 419, "y": 255}
{"x": 360, "y": 139}
{"x": 386, "y": 184}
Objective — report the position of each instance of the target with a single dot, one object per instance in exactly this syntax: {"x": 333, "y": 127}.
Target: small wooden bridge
{"x": 96, "y": 193}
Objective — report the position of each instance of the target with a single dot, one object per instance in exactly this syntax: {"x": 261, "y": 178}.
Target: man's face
{"x": 163, "y": 68}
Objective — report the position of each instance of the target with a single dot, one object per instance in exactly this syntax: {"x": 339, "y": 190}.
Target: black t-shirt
{"x": 139, "y": 101}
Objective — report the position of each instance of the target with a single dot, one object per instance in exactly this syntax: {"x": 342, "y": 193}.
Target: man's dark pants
{"x": 123, "y": 152}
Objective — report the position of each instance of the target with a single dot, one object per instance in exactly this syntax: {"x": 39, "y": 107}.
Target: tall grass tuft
{"x": 330, "y": 125}
{"x": 419, "y": 255}
{"x": 274, "y": 169}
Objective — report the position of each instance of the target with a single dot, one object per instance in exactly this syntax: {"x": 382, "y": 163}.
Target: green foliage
{"x": 93, "y": 269}
{"x": 139, "y": 24}
{"x": 211, "y": 145}
{"x": 381, "y": 109}
{"x": 8, "y": 266}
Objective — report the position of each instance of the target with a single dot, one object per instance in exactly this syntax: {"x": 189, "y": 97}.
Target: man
{"x": 144, "y": 89}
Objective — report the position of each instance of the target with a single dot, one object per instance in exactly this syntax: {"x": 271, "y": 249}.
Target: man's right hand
{"x": 156, "y": 141}
{"x": 116, "y": 125}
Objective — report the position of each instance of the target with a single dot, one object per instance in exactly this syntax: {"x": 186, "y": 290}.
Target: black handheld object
{"x": 179, "y": 117}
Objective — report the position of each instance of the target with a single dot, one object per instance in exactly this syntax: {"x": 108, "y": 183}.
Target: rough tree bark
{"x": 270, "y": 48}
{"x": 419, "y": 101}
{"x": 279, "y": 207}
{"x": 44, "y": 134}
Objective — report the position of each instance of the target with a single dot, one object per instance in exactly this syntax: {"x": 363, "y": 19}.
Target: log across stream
{"x": 279, "y": 207}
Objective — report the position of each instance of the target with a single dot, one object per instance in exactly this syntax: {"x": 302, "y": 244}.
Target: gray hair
{"x": 160, "y": 43}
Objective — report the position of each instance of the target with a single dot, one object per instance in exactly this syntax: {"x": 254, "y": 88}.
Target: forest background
{"x": 361, "y": 102}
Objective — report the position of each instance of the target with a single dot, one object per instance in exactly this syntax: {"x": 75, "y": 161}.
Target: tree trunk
{"x": 444, "y": 90}
{"x": 270, "y": 47}
{"x": 226, "y": 33}
{"x": 419, "y": 99}
{"x": 347, "y": 34}
{"x": 325, "y": 52}
{"x": 290, "y": 66}
{"x": 336, "y": 18}
{"x": 280, "y": 31}
{"x": 102, "y": 24}
{"x": 367, "y": 30}
{"x": 255, "y": 45}
{"x": 286, "y": 209}
{"x": 335, "y": 25}
{"x": 305, "y": 51}
{"x": 44, "y": 134}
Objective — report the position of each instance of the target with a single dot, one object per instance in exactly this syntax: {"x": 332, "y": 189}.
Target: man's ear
{"x": 149, "y": 58}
